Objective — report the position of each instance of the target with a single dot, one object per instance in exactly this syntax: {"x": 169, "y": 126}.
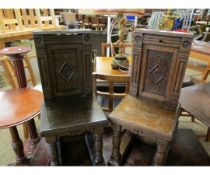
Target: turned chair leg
{"x": 115, "y": 157}
{"x": 99, "y": 160}
{"x": 161, "y": 153}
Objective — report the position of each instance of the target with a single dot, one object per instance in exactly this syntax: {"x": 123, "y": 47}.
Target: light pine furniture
{"x": 104, "y": 72}
{"x": 18, "y": 24}
{"x": 158, "y": 67}
{"x": 21, "y": 19}
{"x": 195, "y": 100}
{"x": 65, "y": 64}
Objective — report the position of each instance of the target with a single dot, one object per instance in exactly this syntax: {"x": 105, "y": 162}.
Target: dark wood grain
{"x": 65, "y": 64}
{"x": 76, "y": 114}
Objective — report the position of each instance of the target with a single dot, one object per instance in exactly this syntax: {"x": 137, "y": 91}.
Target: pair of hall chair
{"x": 150, "y": 110}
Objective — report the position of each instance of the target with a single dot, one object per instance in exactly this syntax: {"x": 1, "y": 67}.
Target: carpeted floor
{"x": 7, "y": 155}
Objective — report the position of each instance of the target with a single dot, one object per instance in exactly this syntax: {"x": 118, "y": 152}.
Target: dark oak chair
{"x": 150, "y": 110}
{"x": 65, "y": 63}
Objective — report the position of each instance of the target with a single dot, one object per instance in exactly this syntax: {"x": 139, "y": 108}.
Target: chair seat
{"x": 144, "y": 117}
{"x": 195, "y": 100}
{"x": 63, "y": 117}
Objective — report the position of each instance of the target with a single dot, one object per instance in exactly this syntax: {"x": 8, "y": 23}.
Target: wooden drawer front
{"x": 162, "y": 40}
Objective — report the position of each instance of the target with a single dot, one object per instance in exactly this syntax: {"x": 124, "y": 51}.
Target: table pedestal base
{"x": 17, "y": 146}
{"x": 32, "y": 140}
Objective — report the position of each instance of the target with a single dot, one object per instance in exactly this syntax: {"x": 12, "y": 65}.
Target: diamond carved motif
{"x": 157, "y": 71}
{"x": 156, "y": 74}
{"x": 67, "y": 71}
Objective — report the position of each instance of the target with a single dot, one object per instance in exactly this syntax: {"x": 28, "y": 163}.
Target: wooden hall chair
{"x": 70, "y": 108}
{"x": 150, "y": 109}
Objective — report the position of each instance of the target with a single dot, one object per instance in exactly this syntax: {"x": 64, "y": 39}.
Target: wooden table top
{"x": 103, "y": 67}
{"x": 18, "y": 106}
{"x": 201, "y": 47}
{"x": 15, "y": 50}
{"x": 196, "y": 99}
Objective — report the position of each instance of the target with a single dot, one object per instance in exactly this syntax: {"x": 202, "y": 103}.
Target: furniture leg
{"x": 33, "y": 138}
{"x": 25, "y": 131}
{"x": 161, "y": 153}
{"x": 17, "y": 146}
{"x": 206, "y": 72}
{"x": 32, "y": 131}
{"x": 99, "y": 160}
{"x": 115, "y": 157}
{"x": 53, "y": 153}
{"x": 111, "y": 91}
{"x": 208, "y": 135}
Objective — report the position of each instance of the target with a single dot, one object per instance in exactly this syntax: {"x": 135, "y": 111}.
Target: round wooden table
{"x": 17, "y": 55}
{"x": 18, "y": 106}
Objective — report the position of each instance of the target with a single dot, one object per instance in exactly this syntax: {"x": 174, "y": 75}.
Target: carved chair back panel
{"x": 158, "y": 67}
{"x": 66, "y": 70}
{"x": 159, "y": 64}
{"x": 65, "y": 63}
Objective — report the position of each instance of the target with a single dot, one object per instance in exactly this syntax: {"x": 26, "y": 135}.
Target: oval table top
{"x": 18, "y": 106}
{"x": 103, "y": 67}
{"x": 15, "y": 50}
